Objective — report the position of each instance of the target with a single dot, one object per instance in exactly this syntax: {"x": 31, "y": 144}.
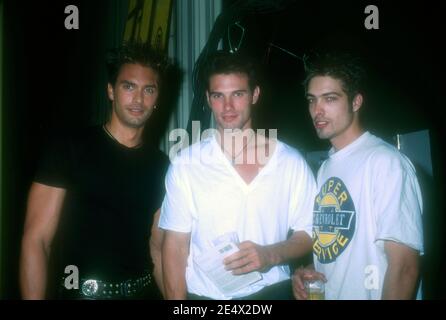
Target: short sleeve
{"x": 53, "y": 164}
{"x": 302, "y": 200}
{"x": 397, "y": 201}
{"x": 176, "y": 208}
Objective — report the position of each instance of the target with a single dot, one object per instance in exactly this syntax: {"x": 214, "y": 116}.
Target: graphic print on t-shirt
{"x": 333, "y": 221}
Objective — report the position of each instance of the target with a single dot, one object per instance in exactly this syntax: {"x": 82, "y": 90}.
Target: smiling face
{"x": 133, "y": 95}
{"x": 231, "y": 100}
{"x": 334, "y": 116}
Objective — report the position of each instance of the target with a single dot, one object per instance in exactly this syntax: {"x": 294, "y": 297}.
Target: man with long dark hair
{"x": 367, "y": 230}
{"x": 97, "y": 193}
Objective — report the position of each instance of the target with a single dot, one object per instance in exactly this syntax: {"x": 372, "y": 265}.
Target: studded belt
{"x": 96, "y": 288}
{"x": 103, "y": 289}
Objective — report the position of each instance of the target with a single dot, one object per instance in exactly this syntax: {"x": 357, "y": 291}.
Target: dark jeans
{"x": 278, "y": 291}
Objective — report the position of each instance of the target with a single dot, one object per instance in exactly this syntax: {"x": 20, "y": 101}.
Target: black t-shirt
{"x": 112, "y": 193}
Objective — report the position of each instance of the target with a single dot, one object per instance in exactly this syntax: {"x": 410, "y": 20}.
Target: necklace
{"x": 233, "y": 158}
{"x": 116, "y": 140}
{"x": 109, "y": 134}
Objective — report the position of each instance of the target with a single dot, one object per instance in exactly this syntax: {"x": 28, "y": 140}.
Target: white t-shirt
{"x": 206, "y": 197}
{"x": 368, "y": 193}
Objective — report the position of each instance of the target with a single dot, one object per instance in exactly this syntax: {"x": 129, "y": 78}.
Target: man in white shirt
{"x": 239, "y": 182}
{"x": 367, "y": 231}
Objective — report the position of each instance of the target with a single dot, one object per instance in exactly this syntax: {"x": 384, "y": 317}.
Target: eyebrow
{"x": 126, "y": 82}
{"x": 331, "y": 93}
{"x": 132, "y": 83}
{"x": 235, "y": 91}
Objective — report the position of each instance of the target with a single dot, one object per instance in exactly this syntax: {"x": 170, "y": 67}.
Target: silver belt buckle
{"x": 90, "y": 287}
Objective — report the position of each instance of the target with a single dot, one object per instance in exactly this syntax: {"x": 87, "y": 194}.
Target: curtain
{"x": 191, "y": 24}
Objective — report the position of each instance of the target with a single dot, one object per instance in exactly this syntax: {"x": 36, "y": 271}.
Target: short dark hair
{"x": 221, "y": 62}
{"x": 135, "y": 53}
{"x": 338, "y": 65}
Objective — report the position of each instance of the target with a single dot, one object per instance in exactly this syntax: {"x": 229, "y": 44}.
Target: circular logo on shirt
{"x": 334, "y": 220}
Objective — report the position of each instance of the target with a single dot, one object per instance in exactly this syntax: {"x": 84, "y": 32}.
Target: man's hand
{"x": 300, "y": 275}
{"x": 251, "y": 257}
{"x": 254, "y": 257}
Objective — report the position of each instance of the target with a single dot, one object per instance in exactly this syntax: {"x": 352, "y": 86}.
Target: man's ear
{"x": 357, "y": 102}
{"x": 207, "y": 97}
{"x": 110, "y": 92}
{"x": 255, "y": 95}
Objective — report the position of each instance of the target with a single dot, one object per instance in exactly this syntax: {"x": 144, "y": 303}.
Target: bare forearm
{"x": 156, "y": 245}
{"x": 296, "y": 246}
{"x": 33, "y": 271}
{"x": 400, "y": 283}
{"x": 402, "y": 272}
{"x": 42, "y": 216}
{"x": 158, "y": 271}
{"x": 174, "y": 273}
{"x": 174, "y": 254}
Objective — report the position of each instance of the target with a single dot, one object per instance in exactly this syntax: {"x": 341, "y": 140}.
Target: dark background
{"x": 53, "y": 80}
